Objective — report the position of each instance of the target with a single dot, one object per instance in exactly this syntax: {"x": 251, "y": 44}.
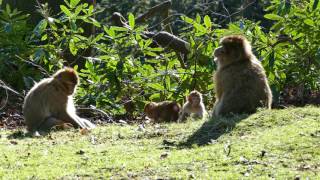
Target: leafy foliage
{"x": 119, "y": 65}
{"x": 294, "y": 57}
{"x": 13, "y": 33}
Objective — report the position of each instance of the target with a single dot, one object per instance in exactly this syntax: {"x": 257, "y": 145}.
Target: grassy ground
{"x": 277, "y": 143}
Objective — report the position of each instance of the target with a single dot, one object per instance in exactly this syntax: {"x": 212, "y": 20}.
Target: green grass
{"x": 277, "y": 143}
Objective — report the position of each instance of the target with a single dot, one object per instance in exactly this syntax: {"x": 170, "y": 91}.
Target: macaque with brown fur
{"x": 241, "y": 83}
{"x": 194, "y": 105}
{"x": 49, "y": 103}
{"x": 166, "y": 111}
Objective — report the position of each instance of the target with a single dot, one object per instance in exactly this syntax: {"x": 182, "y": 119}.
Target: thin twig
{"x": 224, "y": 7}
{"x": 3, "y": 85}
{"x": 97, "y": 110}
{"x": 7, "y": 96}
{"x": 243, "y": 8}
{"x": 34, "y": 64}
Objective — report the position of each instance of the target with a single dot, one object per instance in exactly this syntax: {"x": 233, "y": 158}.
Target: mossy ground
{"x": 269, "y": 144}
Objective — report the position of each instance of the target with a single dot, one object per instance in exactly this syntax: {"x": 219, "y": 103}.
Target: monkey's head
{"x": 149, "y": 109}
{"x": 233, "y": 48}
{"x": 68, "y": 79}
{"x": 195, "y": 98}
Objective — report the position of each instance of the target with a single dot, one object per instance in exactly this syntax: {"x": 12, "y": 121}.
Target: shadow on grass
{"x": 19, "y": 135}
{"x": 212, "y": 130}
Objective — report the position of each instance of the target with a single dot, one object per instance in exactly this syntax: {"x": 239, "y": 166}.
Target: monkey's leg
{"x": 48, "y": 123}
{"x": 183, "y": 116}
{"x": 199, "y": 115}
{"x": 234, "y": 104}
{"x": 217, "y": 108}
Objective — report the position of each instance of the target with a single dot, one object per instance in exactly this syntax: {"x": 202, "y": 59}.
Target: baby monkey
{"x": 194, "y": 105}
{"x": 166, "y": 111}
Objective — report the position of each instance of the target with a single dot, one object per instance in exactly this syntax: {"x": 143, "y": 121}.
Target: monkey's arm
{"x": 89, "y": 125}
{"x": 70, "y": 116}
{"x": 49, "y": 123}
{"x": 75, "y": 120}
{"x": 184, "y": 114}
{"x": 201, "y": 113}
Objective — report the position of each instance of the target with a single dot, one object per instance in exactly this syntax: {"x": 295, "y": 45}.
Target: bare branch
{"x": 34, "y": 64}
{"x": 160, "y": 8}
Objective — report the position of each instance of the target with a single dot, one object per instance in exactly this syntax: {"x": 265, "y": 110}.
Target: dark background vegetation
{"x": 121, "y": 68}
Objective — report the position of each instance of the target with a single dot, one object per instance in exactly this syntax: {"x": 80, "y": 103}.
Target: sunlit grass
{"x": 276, "y": 143}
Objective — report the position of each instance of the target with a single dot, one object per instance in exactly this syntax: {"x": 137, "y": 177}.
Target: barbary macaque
{"x": 49, "y": 103}
{"x": 240, "y": 80}
{"x": 166, "y": 111}
{"x": 194, "y": 105}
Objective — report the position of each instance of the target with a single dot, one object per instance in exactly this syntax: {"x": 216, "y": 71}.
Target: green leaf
{"x": 271, "y": 59}
{"x": 149, "y": 53}
{"x": 84, "y": 5}
{"x": 207, "y": 22}
{"x": 65, "y": 10}
{"x": 273, "y": 17}
{"x": 156, "y": 86}
{"x": 44, "y": 37}
{"x": 154, "y": 96}
{"x": 22, "y": 17}
{"x": 97, "y": 38}
{"x": 199, "y": 27}
{"x": 110, "y": 32}
{"x": 271, "y": 76}
{"x": 282, "y": 75}
{"x": 147, "y": 43}
{"x": 73, "y": 25}
{"x": 95, "y": 22}
{"x": 8, "y": 9}
{"x": 315, "y": 4}
{"x": 74, "y": 3}
{"x": 78, "y": 10}
{"x": 168, "y": 82}
{"x": 116, "y": 28}
{"x": 40, "y": 28}
{"x": 72, "y": 47}
{"x": 131, "y": 20}
{"x": 198, "y": 18}
{"x": 90, "y": 10}
{"x": 156, "y": 49}
{"x": 309, "y": 22}
{"x": 187, "y": 19}
{"x": 277, "y": 26}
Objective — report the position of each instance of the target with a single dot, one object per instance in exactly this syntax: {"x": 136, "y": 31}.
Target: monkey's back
{"x": 168, "y": 111}
{"x": 36, "y": 107}
{"x": 244, "y": 86}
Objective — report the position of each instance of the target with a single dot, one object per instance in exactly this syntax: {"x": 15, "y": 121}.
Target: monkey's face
{"x": 69, "y": 79}
{"x": 219, "y": 54}
{"x": 222, "y": 56}
{"x": 70, "y": 87}
{"x": 225, "y": 54}
{"x": 194, "y": 99}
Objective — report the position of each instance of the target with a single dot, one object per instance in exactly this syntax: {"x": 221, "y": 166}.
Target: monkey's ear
{"x": 147, "y": 106}
{"x": 188, "y": 98}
